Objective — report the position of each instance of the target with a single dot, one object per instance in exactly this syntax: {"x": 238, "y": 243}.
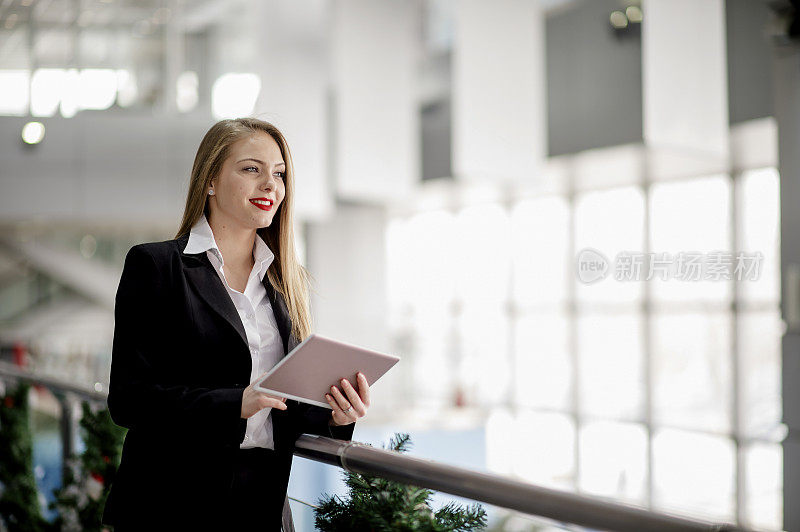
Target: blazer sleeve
{"x": 143, "y": 390}
{"x": 315, "y": 421}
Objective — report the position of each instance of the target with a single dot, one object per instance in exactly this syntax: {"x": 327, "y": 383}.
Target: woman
{"x": 197, "y": 319}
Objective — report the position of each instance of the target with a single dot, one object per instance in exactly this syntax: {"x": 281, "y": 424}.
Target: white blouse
{"x": 255, "y": 311}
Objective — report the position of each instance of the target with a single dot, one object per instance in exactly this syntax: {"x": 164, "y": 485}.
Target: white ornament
{"x": 94, "y": 488}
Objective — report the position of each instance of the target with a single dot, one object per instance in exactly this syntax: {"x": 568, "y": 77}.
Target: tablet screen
{"x": 308, "y": 372}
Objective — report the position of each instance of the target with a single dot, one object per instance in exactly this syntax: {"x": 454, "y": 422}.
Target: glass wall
{"x": 658, "y": 384}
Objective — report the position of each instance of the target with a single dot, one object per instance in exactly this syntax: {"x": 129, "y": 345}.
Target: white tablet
{"x": 308, "y": 372}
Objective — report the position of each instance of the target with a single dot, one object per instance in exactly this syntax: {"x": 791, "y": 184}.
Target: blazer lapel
{"x": 206, "y": 282}
{"x": 281, "y": 312}
{"x": 285, "y": 431}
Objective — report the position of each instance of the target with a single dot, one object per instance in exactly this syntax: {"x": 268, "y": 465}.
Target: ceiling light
{"x": 619, "y": 20}
{"x": 234, "y": 95}
{"x": 634, "y": 13}
{"x": 33, "y": 132}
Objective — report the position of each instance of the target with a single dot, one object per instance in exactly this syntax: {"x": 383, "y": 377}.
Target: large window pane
{"x": 764, "y": 485}
{"x": 482, "y": 266}
{"x": 540, "y": 247}
{"x": 543, "y": 449}
{"x": 760, "y": 372}
{"x": 691, "y": 217}
{"x": 613, "y": 458}
{"x": 433, "y": 357}
{"x": 610, "y": 222}
{"x": 543, "y": 366}
{"x": 484, "y": 369}
{"x": 759, "y": 231}
{"x": 694, "y": 474}
{"x": 399, "y": 242}
{"x": 421, "y": 259}
{"x": 500, "y": 433}
{"x": 534, "y": 446}
{"x": 610, "y": 370}
{"x": 691, "y": 370}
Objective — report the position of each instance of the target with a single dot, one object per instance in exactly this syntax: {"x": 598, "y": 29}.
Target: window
{"x": 660, "y": 392}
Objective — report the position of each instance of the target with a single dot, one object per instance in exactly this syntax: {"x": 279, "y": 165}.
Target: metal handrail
{"x": 495, "y": 489}
{"x": 489, "y": 488}
{"x": 53, "y": 383}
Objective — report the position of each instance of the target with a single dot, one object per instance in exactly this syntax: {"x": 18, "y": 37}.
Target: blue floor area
{"x": 47, "y": 467}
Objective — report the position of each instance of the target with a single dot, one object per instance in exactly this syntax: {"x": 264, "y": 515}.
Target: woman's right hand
{"x": 253, "y": 401}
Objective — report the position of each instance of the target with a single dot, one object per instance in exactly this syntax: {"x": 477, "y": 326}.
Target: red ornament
{"x": 98, "y": 477}
{"x": 106, "y": 459}
{"x": 19, "y": 352}
{"x": 9, "y": 401}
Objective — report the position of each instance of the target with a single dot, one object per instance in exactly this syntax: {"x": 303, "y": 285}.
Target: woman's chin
{"x": 263, "y": 224}
{"x": 261, "y": 220}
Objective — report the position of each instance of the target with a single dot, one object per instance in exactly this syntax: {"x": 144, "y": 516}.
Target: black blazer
{"x": 180, "y": 363}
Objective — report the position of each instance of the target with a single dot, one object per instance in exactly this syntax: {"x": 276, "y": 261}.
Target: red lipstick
{"x": 265, "y": 203}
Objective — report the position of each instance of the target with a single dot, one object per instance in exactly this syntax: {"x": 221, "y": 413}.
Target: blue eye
{"x": 252, "y": 168}
{"x": 282, "y": 174}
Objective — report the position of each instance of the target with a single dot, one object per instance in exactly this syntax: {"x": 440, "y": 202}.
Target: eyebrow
{"x": 260, "y": 162}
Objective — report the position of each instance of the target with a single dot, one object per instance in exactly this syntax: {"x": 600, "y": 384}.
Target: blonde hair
{"x": 285, "y": 274}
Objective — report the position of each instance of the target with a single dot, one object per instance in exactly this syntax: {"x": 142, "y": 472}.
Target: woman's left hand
{"x": 350, "y": 406}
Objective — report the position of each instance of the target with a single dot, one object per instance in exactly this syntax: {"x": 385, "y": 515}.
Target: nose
{"x": 270, "y": 182}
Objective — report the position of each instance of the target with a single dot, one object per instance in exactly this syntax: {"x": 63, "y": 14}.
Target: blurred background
{"x": 454, "y": 160}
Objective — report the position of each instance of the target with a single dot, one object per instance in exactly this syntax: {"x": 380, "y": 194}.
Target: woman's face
{"x": 251, "y": 177}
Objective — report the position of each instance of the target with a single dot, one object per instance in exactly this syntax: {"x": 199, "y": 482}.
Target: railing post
{"x": 68, "y": 428}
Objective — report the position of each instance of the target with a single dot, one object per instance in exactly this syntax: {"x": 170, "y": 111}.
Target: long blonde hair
{"x": 285, "y": 274}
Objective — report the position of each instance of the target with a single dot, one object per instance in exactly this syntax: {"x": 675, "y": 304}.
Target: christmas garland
{"x": 83, "y": 494}
{"x": 19, "y": 503}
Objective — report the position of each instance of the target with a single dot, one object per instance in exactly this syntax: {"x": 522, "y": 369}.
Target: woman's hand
{"x": 350, "y": 406}
{"x": 253, "y": 401}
